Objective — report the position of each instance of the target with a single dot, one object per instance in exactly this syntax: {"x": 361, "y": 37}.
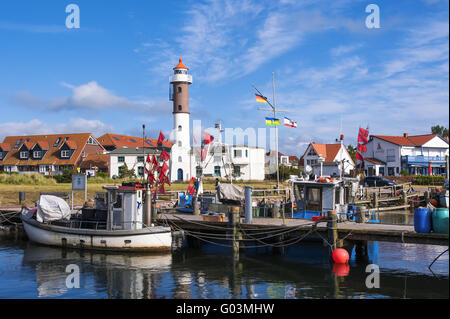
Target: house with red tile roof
{"x": 114, "y": 141}
{"x": 47, "y": 154}
{"x": 415, "y": 154}
{"x": 285, "y": 160}
{"x": 327, "y": 159}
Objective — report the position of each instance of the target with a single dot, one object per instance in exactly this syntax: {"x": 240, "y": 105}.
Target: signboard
{"x": 79, "y": 182}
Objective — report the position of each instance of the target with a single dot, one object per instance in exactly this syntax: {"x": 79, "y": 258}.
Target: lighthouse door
{"x": 180, "y": 174}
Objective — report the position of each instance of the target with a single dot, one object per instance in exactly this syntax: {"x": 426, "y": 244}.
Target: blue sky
{"x": 111, "y": 75}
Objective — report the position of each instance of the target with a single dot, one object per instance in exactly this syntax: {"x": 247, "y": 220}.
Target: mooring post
{"x": 276, "y": 210}
{"x": 234, "y": 220}
{"x": 148, "y": 207}
{"x": 195, "y": 206}
{"x": 332, "y": 229}
{"x": 375, "y": 200}
{"x": 248, "y": 205}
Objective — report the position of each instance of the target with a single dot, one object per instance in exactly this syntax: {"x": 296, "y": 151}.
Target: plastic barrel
{"x": 422, "y": 220}
{"x": 440, "y": 220}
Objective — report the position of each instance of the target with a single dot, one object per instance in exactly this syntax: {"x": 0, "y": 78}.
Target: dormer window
{"x": 24, "y": 155}
{"x": 1, "y": 156}
{"x": 37, "y": 154}
{"x": 65, "y": 154}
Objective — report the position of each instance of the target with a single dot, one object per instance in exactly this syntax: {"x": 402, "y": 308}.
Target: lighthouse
{"x": 179, "y": 94}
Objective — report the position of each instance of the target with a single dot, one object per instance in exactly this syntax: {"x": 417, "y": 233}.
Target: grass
{"x": 9, "y": 193}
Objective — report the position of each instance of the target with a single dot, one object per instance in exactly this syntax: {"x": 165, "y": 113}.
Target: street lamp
{"x": 321, "y": 160}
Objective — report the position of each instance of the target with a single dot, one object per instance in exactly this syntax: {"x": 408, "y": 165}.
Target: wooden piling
{"x": 236, "y": 235}
{"x": 332, "y": 229}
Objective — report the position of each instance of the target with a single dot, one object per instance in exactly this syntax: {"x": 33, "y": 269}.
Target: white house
{"x": 389, "y": 155}
{"x": 327, "y": 159}
{"x": 134, "y": 158}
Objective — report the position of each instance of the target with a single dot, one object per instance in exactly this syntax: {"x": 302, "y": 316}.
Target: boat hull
{"x": 156, "y": 238}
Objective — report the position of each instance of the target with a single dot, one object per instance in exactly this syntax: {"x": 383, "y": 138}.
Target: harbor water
{"x": 28, "y": 270}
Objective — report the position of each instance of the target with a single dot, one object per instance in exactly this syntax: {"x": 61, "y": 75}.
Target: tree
{"x": 441, "y": 130}
{"x": 125, "y": 172}
{"x": 352, "y": 152}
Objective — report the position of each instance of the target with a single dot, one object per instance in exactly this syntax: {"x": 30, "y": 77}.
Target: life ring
{"x": 325, "y": 180}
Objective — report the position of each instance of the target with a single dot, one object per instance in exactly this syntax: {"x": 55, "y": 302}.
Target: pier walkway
{"x": 348, "y": 230}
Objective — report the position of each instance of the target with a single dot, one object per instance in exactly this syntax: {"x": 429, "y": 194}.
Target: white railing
{"x": 181, "y": 78}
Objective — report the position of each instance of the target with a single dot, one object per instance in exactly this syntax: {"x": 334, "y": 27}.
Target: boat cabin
{"x": 314, "y": 198}
{"x": 125, "y": 207}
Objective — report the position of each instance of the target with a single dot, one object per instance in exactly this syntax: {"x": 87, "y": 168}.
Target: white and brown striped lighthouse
{"x": 179, "y": 94}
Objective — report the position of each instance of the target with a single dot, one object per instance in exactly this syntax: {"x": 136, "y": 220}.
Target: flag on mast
{"x": 260, "y": 98}
{"x": 289, "y": 122}
{"x": 270, "y": 121}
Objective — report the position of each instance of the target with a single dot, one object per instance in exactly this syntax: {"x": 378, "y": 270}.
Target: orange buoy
{"x": 341, "y": 270}
{"x": 340, "y": 256}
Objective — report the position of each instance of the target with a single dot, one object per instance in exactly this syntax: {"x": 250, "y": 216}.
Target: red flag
{"x": 148, "y": 158}
{"x": 429, "y": 168}
{"x": 154, "y": 162}
{"x": 359, "y": 157}
{"x": 164, "y": 168}
{"x": 362, "y": 148}
{"x": 161, "y": 137}
{"x": 164, "y": 156}
{"x": 207, "y": 138}
{"x": 168, "y": 181}
{"x": 162, "y": 190}
{"x": 162, "y": 177}
{"x": 151, "y": 177}
{"x": 363, "y": 135}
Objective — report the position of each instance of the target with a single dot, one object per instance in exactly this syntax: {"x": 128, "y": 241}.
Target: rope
{"x": 437, "y": 258}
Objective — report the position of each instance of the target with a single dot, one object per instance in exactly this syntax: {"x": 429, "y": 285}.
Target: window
{"x": 390, "y": 156}
{"x": 179, "y": 128}
{"x": 140, "y": 171}
{"x": 237, "y": 171}
{"x": 116, "y": 138}
{"x": 217, "y": 171}
{"x": 246, "y": 153}
{"x": 65, "y": 154}
{"x": 179, "y": 143}
{"x": 24, "y": 154}
{"x": 133, "y": 140}
{"x": 37, "y": 154}
{"x": 179, "y": 107}
{"x": 397, "y": 169}
{"x": 18, "y": 143}
{"x": 121, "y": 159}
{"x": 57, "y": 142}
{"x": 237, "y": 153}
{"x": 140, "y": 159}
{"x": 180, "y": 159}
{"x": 179, "y": 89}
{"x": 91, "y": 141}
{"x": 199, "y": 171}
{"x": 217, "y": 158}
{"x": 1, "y": 156}
{"x": 390, "y": 171}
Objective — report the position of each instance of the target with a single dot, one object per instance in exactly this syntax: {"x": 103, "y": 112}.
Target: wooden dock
{"x": 348, "y": 230}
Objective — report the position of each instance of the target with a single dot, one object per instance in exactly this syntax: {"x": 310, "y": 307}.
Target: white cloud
{"x": 37, "y": 127}
{"x": 90, "y": 96}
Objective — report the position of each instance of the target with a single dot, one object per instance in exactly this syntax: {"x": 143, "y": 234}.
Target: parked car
{"x": 377, "y": 181}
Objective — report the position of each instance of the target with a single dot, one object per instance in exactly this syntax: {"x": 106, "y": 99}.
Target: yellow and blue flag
{"x": 271, "y": 121}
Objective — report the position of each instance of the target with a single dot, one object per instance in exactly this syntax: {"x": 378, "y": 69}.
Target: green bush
{"x": 429, "y": 180}
{"x": 26, "y": 179}
{"x": 66, "y": 176}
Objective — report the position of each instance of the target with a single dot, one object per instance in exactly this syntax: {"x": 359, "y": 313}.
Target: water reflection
{"x": 301, "y": 272}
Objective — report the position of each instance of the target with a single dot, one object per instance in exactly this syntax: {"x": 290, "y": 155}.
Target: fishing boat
{"x": 116, "y": 223}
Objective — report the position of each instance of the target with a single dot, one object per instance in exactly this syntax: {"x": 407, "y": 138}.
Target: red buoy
{"x": 340, "y": 256}
{"x": 341, "y": 270}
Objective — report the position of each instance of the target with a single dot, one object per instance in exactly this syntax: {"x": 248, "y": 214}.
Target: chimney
{"x": 405, "y": 134}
